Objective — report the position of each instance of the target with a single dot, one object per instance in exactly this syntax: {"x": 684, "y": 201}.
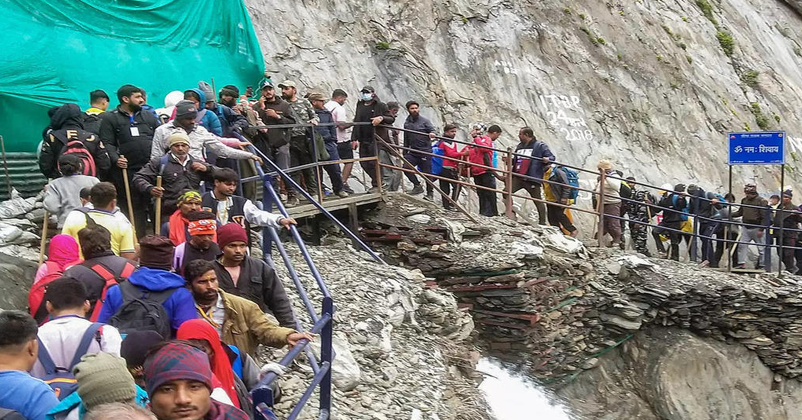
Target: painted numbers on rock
{"x": 565, "y": 114}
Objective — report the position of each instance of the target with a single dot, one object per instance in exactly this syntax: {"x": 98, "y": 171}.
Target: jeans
{"x": 424, "y": 164}
{"x": 451, "y": 173}
{"x": 487, "y": 199}
{"x": 333, "y": 170}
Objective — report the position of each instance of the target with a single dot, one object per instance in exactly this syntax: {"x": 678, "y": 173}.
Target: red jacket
{"x": 481, "y": 155}
{"x": 449, "y": 151}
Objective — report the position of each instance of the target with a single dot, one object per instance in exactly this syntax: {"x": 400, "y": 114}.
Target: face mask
{"x": 367, "y": 96}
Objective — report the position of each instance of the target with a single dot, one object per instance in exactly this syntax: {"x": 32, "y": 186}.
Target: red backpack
{"x": 36, "y": 297}
{"x": 111, "y": 280}
{"x": 78, "y": 148}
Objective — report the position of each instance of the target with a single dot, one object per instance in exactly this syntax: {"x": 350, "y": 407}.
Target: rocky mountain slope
{"x": 653, "y": 85}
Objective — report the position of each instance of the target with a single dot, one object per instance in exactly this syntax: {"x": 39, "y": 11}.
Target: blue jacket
{"x": 329, "y": 134}
{"x": 180, "y": 306}
{"x": 207, "y": 118}
{"x": 418, "y": 141}
{"x": 538, "y": 150}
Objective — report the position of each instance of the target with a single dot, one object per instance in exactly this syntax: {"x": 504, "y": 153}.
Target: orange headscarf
{"x": 198, "y": 329}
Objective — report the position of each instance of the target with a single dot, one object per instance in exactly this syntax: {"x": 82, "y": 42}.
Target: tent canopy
{"x": 57, "y": 51}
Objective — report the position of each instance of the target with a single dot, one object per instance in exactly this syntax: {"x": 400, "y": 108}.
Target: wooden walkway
{"x": 333, "y": 203}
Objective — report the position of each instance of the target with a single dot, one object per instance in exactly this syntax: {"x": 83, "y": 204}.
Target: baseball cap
{"x": 287, "y": 83}
{"x": 368, "y": 88}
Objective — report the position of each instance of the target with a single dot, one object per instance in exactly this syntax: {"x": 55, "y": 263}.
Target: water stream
{"x": 513, "y": 397}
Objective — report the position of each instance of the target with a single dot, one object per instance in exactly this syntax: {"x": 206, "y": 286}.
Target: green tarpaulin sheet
{"x": 57, "y": 51}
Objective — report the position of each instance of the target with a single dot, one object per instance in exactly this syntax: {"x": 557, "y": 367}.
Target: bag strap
{"x": 101, "y": 270}
{"x": 92, "y": 333}
{"x": 45, "y": 359}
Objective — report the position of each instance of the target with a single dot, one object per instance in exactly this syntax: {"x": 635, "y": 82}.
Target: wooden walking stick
{"x": 128, "y": 198}
{"x": 158, "y": 226}
{"x": 45, "y": 223}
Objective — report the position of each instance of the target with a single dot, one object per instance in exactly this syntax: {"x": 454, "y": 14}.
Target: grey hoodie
{"x": 63, "y": 195}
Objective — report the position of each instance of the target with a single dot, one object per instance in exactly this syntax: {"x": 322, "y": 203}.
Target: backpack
{"x": 78, "y": 148}
{"x": 573, "y": 181}
{"x": 684, "y": 215}
{"x": 36, "y": 297}
{"x": 142, "y": 313}
{"x": 60, "y": 379}
{"x": 110, "y": 279}
{"x": 437, "y": 162}
{"x": 8, "y": 414}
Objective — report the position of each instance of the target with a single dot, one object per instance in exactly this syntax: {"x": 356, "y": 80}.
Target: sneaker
{"x": 292, "y": 202}
{"x": 417, "y": 189}
{"x": 372, "y": 190}
{"x": 740, "y": 266}
{"x": 429, "y": 197}
{"x": 342, "y": 194}
{"x": 348, "y": 189}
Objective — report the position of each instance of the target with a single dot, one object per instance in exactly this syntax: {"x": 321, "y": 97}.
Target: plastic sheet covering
{"x": 57, "y": 51}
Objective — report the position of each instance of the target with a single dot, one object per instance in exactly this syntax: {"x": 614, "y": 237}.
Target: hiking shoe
{"x": 342, "y": 194}
{"x": 292, "y": 202}
{"x": 417, "y": 189}
{"x": 429, "y": 197}
{"x": 372, "y": 190}
{"x": 348, "y": 189}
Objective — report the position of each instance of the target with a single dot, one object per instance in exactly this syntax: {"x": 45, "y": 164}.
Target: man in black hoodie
{"x": 127, "y": 132}
{"x": 704, "y": 211}
{"x": 672, "y": 219}
{"x": 370, "y": 109}
{"x": 66, "y": 128}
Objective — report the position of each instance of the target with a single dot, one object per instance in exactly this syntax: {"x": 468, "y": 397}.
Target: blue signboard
{"x": 757, "y": 148}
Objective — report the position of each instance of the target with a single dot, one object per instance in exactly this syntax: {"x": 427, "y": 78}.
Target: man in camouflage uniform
{"x": 638, "y": 211}
{"x": 300, "y": 140}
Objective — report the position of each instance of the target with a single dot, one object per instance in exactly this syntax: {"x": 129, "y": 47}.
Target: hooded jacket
{"x": 418, "y": 141}
{"x": 206, "y": 118}
{"x": 180, "y": 306}
{"x": 66, "y": 126}
{"x": 537, "y": 150}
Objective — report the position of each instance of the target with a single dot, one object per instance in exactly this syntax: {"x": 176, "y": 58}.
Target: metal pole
{"x": 378, "y": 169}
{"x": 600, "y": 207}
{"x": 733, "y": 247}
{"x": 326, "y": 337}
{"x": 782, "y": 226}
{"x": 5, "y": 166}
{"x": 508, "y": 202}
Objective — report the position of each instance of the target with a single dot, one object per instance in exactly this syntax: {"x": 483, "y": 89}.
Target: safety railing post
{"x": 508, "y": 199}
{"x": 600, "y": 207}
{"x": 378, "y": 169}
{"x": 267, "y": 205}
{"x": 768, "y": 238}
{"x": 326, "y": 353}
{"x": 695, "y": 238}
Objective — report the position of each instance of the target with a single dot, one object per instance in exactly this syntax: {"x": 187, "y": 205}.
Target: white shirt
{"x": 338, "y": 114}
{"x": 62, "y": 336}
{"x": 253, "y": 215}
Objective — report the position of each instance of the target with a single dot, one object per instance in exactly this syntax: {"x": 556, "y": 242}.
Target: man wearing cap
{"x": 179, "y": 171}
{"x": 272, "y": 110}
{"x": 300, "y": 141}
{"x": 787, "y": 217}
{"x": 752, "y": 218}
{"x": 253, "y": 279}
{"x": 199, "y": 137}
{"x": 202, "y": 230}
{"x": 370, "y": 109}
{"x": 177, "y": 226}
{"x": 179, "y": 383}
{"x": 329, "y": 134}
{"x": 345, "y": 147}
{"x": 421, "y": 140}
{"x": 153, "y": 276}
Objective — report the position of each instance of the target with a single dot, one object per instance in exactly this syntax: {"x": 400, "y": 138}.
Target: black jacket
{"x": 789, "y": 218}
{"x": 115, "y": 133}
{"x": 329, "y": 133}
{"x": 274, "y": 137}
{"x": 230, "y": 121}
{"x": 66, "y": 126}
{"x": 670, "y": 216}
{"x": 701, "y": 207}
{"x": 366, "y": 111}
{"x": 259, "y": 284}
{"x": 175, "y": 178}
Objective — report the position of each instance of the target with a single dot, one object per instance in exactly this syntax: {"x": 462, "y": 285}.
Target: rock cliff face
{"x": 653, "y": 85}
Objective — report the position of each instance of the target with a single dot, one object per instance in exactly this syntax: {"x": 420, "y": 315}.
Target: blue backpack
{"x": 437, "y": 162}
{"x": 684, "y": 215}
{"x": 61, "y": 379}
{"x": 573, "y": 181}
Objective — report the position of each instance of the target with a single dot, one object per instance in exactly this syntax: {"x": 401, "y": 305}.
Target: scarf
{"x": 198, "y": 329}
{"x": 63, "y": 251}
{"x": 178, "y": 228}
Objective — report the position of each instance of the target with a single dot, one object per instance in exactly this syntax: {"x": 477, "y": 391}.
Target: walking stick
{"x": 128, "y": 198}
{"x": 158, "y": 225}
{"x": 45, "y": 224}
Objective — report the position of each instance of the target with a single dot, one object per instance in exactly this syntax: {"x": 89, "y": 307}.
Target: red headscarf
{"x": 63, "y": 251}
{"x": 198, "y": 329}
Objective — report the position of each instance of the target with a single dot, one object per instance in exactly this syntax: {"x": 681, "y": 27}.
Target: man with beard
{"x": 127, "y": 133}
{"x": 248, "y": 277}
{"x": 179, "y": 172}
{"x": 451, "y": 157}
{"x": 275, "y": 143}
{"x": 239, "y": 321}
{"x": 227, "y": 207}
{"x": 422, "y": 142}
{"x": 300, "y": 140}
